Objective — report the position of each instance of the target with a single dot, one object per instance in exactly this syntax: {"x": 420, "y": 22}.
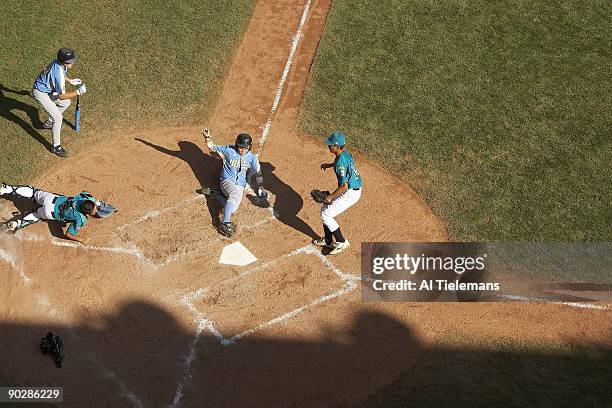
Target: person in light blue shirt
{"x": 239, "y": 164}
{"x": 49, "y": 90}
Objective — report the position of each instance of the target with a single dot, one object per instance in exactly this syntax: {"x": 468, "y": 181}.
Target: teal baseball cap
{"x": 336, "y": 138}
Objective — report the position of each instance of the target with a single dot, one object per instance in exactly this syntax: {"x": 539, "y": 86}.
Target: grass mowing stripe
{"x": 498, "y": 113}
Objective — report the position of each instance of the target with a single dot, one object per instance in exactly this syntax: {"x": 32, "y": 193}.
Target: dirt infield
{"x": 149, "y": 316}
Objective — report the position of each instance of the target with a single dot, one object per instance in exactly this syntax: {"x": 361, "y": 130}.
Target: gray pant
{"x": 54, "y": 109}
{"x": 233, "y": 193}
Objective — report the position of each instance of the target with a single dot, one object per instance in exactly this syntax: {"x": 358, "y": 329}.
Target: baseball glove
{"x": 105, "y": 209}
{"x": 319, "y": 196}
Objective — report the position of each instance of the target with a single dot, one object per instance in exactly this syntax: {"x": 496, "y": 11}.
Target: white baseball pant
{"x": 43, "y": 198}
{"x": 337, "y": 207}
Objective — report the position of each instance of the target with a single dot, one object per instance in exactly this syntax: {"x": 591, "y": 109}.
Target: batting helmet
{"x": 244, "y": 140}
{"x": 66, "y": 56}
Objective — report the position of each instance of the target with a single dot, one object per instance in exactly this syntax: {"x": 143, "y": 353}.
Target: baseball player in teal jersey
{"x": 238, "y": 160}
{"x": 72, "y": 210}
{"x": 49, "y": 90}
{"x": 343, "y": 197}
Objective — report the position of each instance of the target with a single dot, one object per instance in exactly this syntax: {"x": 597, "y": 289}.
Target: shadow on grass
{"x": 8, "y": 105}
{"x": 138, "y": 356}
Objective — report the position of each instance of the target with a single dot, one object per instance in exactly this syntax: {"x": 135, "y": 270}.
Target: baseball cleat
{"x": 204, "y": 191}
{"x": 60, "y": 151}
{"x": 10, "y": 226}
{"x": 227, "y": 228}
{"x": 322, "y": 243}
{"x": 3, "y": 189}
{"x": 339, "y": 247}
{"x": 48, "y": 124}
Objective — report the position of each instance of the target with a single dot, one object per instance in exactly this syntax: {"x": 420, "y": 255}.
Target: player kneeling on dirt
{"x": 73, "y": 210}
{"x": 238, "y": 160}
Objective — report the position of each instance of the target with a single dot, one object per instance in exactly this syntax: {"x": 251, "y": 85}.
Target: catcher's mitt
{"x": 105, "y": 209}
{"x": 319, "y": 196}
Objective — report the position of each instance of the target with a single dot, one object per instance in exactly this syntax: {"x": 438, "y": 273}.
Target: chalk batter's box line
{"x": 132, "y": 249}
{"x": 203, "y": 322}
{"x": 156, "y": 213}
{"x": 136, "y": 251}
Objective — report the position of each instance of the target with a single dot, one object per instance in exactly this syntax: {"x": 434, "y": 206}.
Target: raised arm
{"x": 208, "y": 139}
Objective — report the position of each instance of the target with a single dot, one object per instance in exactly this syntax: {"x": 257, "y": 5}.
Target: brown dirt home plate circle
{"x": 143, "y": 312}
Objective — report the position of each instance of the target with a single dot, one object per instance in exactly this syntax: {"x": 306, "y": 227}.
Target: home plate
{"x": 236, "y": 254}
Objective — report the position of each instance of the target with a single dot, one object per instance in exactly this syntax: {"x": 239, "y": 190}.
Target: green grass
{"x": 145, "y": 63}
{"x": 462, "y": 372}
{"x": 498, "y": 113}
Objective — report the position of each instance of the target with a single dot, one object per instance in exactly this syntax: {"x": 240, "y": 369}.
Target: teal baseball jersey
{"x": 68, "y": 209}
{"x": 346, "y": 171}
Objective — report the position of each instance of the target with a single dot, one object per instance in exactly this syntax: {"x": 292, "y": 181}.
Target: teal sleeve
{"x": 73, "y": 229}
{"x": 341, "y": 169}
{"x": 76, "y": 225}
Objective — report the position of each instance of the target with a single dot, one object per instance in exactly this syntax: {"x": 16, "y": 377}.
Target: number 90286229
{"x": 31, "y": 394}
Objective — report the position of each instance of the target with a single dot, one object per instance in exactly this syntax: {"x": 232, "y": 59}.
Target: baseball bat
{"x": 77, "y": 116}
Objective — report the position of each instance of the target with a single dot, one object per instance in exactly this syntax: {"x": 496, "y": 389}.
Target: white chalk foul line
{"x": 188, "y": 363}
{"x": 133, "y": 251}
{"x": 43, "y": 301}
{"x": 10, "y": 259}
{"x": 202, "y": 324}
{"x": 349, "y": 286}
{"x": 125, "y": 391}
{"x": 578, "y": 305}
{"x": 156, "y": 213}
{"x": 41, "y": 298}
{"x": 281, "y": 84}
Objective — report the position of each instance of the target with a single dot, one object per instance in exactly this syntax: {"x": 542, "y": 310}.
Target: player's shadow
{"x": 9, "y": 105}
{"x": 205, "y": 168}
{"x": 288, "y": 202}
{"x": 136, "y": 353}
